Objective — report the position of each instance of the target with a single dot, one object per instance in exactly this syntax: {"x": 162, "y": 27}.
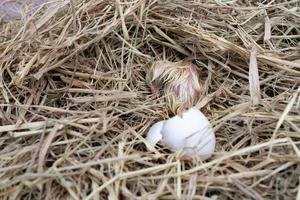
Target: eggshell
{"x": 190, "y": 133}
{"x": 154, "y": 134}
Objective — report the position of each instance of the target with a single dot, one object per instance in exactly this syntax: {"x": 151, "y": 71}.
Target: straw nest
{"x": 75, "y": 106}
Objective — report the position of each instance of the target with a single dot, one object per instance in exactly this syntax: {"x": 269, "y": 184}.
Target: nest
{"x": 75, "y": 107}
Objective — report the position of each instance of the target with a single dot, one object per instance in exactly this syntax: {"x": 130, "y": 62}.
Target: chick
{"x": 178, "y": 81}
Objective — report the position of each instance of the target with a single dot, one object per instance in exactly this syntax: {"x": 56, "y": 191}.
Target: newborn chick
{"x": 178, "y": 81}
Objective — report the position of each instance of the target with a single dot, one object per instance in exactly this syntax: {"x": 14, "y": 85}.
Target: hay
{"x": 75, "y": 107}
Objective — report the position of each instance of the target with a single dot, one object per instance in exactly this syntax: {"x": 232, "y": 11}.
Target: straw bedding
{"x": 75, "y": 107}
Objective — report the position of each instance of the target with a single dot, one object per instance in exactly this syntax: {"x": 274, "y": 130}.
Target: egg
{"x": 189, "y": 132}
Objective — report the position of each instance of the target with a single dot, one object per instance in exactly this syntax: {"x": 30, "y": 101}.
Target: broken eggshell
{"x": 190, "y": 133}
{"x": 154, "y": 134}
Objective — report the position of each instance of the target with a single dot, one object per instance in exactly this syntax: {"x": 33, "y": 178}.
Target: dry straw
{"x": 75, "y": 107}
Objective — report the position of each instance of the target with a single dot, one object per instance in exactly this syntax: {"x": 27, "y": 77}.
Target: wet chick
{"x": 178, "y": 82}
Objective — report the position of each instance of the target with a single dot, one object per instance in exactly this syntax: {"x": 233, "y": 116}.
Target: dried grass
{"x": 75, "y": 107}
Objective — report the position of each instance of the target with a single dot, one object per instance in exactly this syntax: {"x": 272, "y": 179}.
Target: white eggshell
{"x": 190, "y": 133}
{"x": 154, "y": 134}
